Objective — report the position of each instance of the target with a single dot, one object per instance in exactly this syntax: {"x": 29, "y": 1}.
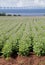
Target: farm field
{"x": 22, "y": 40}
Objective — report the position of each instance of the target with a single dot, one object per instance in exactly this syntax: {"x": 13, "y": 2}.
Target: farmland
{"x": 22, "y": 35}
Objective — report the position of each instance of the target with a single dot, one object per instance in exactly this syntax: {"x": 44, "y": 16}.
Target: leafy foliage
{"x": 7, "y": 49}
{"x": 22, "y": 35}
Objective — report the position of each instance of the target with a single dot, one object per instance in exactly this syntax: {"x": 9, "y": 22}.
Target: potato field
{"x": 22, "y": 35}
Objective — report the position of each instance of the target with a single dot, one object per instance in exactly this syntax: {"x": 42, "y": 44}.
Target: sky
{"x": 23, "y": 3}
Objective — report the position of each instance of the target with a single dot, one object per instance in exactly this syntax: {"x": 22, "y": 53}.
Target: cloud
{"x": 22, "y": 3}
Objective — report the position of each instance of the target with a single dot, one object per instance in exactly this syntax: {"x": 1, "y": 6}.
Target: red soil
{"x": 22, "y": 60}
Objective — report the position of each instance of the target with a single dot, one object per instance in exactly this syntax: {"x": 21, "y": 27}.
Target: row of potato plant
{"x": 13, "y": 42}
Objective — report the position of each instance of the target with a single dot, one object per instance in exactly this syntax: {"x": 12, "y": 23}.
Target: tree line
{"x": 4, "y": 14}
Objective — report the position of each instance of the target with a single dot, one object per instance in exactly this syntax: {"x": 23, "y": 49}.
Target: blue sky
{"x": 23, "y": 3}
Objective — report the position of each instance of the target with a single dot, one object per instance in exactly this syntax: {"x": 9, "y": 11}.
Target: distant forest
{"x": 4, "y": 14}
